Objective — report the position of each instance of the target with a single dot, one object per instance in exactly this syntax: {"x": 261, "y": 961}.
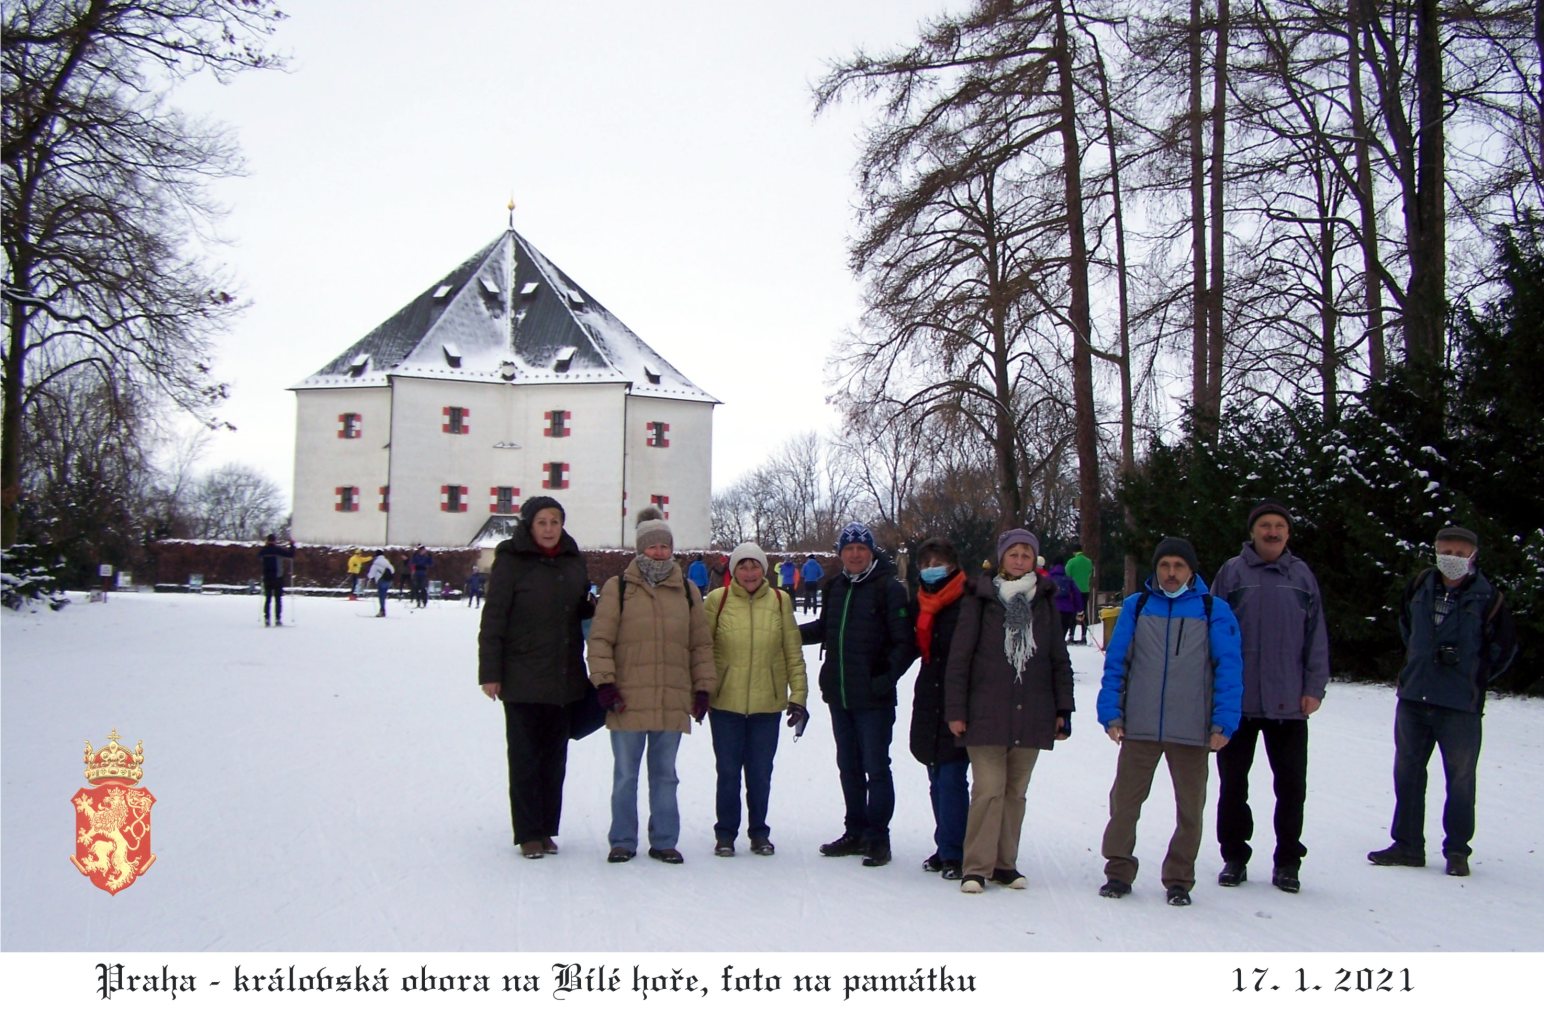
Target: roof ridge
{"x": 542, "y": 262}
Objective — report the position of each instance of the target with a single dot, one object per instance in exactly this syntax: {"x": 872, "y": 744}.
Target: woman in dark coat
{"x": 937, "y": 608}
{"x": 530, "y": 656}
{"x": 1007, "y": 696}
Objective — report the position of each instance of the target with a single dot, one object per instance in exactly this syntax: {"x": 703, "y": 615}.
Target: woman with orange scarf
{"x": 936, "y": 608}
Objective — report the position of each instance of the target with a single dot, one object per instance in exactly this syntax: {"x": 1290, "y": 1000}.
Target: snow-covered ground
{"x": 339, "y": 784}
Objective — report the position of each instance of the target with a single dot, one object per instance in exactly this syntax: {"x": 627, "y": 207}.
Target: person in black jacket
{"x": 1459, "y": 637}
{"x": 273, "y": 556}
{"x": 530, "y": 656}
{"x": 937, "y": 608}
{"x": 865, "y": 632}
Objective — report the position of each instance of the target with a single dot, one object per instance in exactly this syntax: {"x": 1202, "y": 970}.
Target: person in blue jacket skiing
{"x": 1172, "y": 688}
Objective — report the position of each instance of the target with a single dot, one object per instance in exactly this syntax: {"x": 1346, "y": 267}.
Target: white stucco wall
{"x": 683, "y": 471}
{"x": 324, "y": 462}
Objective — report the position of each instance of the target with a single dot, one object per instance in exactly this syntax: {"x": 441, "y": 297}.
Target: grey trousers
{"x": 1188, "y": 768}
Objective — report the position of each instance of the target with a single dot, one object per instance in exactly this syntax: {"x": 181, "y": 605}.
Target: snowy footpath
{"x": 338, "y": 785}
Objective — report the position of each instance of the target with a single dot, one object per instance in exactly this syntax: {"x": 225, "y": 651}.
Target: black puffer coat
{"x": 931, "y": 741}
{"x": 530, "y": 640}
{"x": 866, "y": 634}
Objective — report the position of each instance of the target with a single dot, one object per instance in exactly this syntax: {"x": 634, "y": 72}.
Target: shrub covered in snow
{"x": 27, "y": 583}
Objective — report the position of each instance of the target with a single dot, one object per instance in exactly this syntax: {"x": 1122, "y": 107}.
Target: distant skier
{"x": 474, "y": 587}
{"x": 273, "y": 557}
{"x": 380, "y": 573}
{"x": 419, "y": 564}
{"x": 357, "y": 562}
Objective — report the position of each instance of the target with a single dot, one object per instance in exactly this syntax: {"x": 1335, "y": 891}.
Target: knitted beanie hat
{"x": 1269, "y": 507}
{"x": 747, "y": 551}
{"x": 529, "y": 509}
{"x": 1173, "y": 546}
{"x": 855, "y": 532}
{"x": 652, "y": 529}
{"x": 1013, "y": 537}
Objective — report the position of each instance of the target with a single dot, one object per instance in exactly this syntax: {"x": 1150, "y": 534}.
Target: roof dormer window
{"x": 359, "y": 364}
{"x": 652, "y": 374}
{"x": 442, "y": 292}
{"x": 565, "y": 359}
{"x": 452, "y": 354}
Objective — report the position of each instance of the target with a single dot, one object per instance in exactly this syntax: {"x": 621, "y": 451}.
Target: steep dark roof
{"x": 506, "y": 314}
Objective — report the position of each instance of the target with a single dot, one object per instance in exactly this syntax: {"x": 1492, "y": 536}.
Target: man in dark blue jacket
{"x": 273, "y": 557}
{"x": 1172, "y": 682}
{"x": 865, "y": 633}
{"x": 810, "y": 576}
{"x": 1458, "y": 637}
{"x": 419, "y": 563}
{"x": 1280, "y": 613}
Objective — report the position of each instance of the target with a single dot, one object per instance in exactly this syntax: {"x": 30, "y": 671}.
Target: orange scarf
{"x": 928, "y": 606}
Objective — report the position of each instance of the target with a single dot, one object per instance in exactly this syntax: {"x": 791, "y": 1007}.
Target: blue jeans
{"x": 863, "y": 764}
{"x": 627, "y": 751}
{"x": 1417, "y": 729}
{"x": 743, "y": 743}
{"x": 949, "y": 789}
{"x": 382, "y": 590}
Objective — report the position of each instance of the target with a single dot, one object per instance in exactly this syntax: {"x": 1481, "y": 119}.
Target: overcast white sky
{"x": 664, "y": 154}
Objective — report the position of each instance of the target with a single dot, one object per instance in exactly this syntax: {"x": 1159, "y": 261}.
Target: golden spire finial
{"x": 511, "y": 207}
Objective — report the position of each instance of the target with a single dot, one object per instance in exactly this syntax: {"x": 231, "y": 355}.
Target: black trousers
{"x": 273, "y": 597}
{"x": 1286, "y": 747}
{"x": 537, "y": 736}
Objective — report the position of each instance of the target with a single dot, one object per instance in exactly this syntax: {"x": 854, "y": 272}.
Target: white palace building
{"x": 502, "y": 381}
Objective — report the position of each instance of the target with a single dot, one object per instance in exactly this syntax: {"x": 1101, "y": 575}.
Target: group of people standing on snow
{"x": 1189, "y": 672}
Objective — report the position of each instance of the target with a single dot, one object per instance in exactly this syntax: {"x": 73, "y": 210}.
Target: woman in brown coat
{"x": 651, "y": 659}
{"x": 1007, "y": 696}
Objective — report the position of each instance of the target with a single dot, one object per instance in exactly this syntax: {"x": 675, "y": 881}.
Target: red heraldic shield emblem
{"x": 112, "y": 820}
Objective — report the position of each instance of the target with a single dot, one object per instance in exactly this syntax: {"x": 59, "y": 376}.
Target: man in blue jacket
{"x": 1459, "y": 637}
{"x": 865, "y": 632}
{"x": 1173, "y": 677}
{"x": 1286, "y": 651}
{"x": 810, "y": 576}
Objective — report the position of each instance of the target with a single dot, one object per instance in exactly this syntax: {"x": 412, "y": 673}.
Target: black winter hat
{"x": 1269, "y": 507}
{"x": 529, "y": 509}
{"x": 1173, "y": 546}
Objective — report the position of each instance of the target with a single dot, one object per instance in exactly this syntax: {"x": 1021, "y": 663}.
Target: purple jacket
{"x": 1281, "y": 616}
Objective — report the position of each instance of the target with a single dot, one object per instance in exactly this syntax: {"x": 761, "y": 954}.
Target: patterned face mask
{"x": 1454, "y": 567}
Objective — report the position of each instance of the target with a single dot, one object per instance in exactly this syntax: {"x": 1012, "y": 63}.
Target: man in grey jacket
{"x": 1286, "y": 666}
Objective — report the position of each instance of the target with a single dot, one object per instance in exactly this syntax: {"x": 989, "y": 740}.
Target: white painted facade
{"x": 420, "y": 449}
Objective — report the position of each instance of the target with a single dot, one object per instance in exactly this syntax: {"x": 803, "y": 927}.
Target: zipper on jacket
{"x": 750, "y": 659}
{"x": 1179, "y": 639}
{"x": 841, "y": 646}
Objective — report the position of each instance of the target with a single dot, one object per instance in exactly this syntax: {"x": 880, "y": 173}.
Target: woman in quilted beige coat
{"x": 651, "y": 659}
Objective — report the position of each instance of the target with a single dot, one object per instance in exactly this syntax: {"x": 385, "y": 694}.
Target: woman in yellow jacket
{"x": 760, "y": 664}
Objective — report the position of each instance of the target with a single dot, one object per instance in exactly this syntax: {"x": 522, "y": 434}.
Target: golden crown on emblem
{"x": 113, "y": 763}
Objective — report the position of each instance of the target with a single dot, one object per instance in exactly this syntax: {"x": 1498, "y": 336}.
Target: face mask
{"x": 1177, "y": 592}
{"x": 933, "y": 575}
{"x": 1452, "y": 566}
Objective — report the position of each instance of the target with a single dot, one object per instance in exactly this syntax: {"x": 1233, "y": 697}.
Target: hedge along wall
{"x": 222, "y": 562}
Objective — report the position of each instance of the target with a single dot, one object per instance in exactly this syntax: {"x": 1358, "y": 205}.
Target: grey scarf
{"x": 1018, "y": 624}
{"x": 655, "y": 571}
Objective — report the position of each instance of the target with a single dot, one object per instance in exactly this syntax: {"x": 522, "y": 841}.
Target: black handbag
{"x": 585, "y": 716}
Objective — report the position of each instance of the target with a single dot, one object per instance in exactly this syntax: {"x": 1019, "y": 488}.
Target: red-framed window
{"x": 453, "y": 498}
{"x": 457, "y": 419}
{"x": 350, "y": 425}
{"x": 557, "y": 423}
{"x": 348, "y": 498}
{"x": 557, "y": 476}
{"x": 657, "y": 432}
{"x": 385, "y": 498}
{"x": 662, "y": 502}
{"x": 503, "y": 500}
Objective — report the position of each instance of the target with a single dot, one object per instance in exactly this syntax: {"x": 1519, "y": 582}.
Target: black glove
{"x": 700, "y": 706}
{"x": 610, "y": 698}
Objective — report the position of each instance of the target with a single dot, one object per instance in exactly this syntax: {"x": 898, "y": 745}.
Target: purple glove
{"x": 610, "y": 698}
{"x": 700, "y": 706}
{"x": 797, "y": 715}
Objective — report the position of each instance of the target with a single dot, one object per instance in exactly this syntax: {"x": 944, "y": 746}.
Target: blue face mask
{"x": 933, "y": 575}
{"x": 1177, "y": 592}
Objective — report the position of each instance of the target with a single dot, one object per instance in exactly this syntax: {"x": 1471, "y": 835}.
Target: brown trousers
{"x": 999, "y": 777}
{"x": 1188, "y": 768}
